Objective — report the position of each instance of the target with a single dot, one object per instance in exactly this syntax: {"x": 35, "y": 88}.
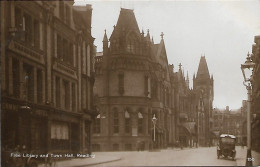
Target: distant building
{"x": 47, "y": 77}
{"x": 228, "y": 121}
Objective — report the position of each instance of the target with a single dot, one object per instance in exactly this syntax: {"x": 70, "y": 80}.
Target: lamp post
{"x": 154, "y": 119}
{"x": 247, "y": 68}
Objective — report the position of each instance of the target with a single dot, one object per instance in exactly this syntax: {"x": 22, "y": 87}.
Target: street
{"x": 204, "y": 156}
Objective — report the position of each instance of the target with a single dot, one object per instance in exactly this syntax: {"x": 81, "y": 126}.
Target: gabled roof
{"x": 203, "y": 70}
{"x": 126, "y": 22}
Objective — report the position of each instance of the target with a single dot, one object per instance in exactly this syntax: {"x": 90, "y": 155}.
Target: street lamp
{"x": 154, "y": 119}
{"x": 247, "y": 68}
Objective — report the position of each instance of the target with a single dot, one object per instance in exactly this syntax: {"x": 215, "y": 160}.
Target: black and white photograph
{"x": 100, "y": 83}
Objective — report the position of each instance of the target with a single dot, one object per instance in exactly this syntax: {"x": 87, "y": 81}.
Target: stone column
{"x": 54, "y": 90}
{"x": 79, "y": 79}
{"x": 10, "y": 75}
{"x": 48, "y": 63}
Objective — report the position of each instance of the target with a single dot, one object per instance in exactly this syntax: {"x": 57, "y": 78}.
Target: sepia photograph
{"x": 107, "y": 83}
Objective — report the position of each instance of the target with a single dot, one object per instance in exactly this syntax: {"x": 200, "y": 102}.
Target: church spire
{"x": 203, "y": 72}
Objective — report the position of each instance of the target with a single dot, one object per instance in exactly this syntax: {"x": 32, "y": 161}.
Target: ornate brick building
{"x": 47, "y": 77}
{"x": 134, "y": 82}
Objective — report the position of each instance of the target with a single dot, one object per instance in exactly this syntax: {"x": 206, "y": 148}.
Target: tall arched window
{"x": 127, "y": 122}
{"x": 140, "y": 123}
{"x": 116, "y": 121}
{"x": 96, "y": 126}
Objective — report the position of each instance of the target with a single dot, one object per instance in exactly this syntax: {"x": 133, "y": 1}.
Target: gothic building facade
{"x": 47, "y": 55}
{"x": 134, "y": 84}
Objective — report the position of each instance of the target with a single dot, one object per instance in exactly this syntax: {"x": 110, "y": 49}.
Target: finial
{"x": 114, "y": 26}
{"x": 142, "y": 32}
{"x": 152, "y": 40}
{"x": 180, "y": 66}
{"x": 162, "y": 35}
{"x": 148, "y": 31}
{"x": 105, "y": 31}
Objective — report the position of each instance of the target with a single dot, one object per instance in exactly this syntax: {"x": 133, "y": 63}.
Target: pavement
{"x": 241, "y": 157}
{"x": 169, "y": 156}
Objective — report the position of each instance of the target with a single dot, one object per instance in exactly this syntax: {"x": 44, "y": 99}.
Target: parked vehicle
{"x": 226, "y": 146}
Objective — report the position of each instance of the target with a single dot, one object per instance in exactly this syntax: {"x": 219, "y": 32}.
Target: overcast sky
{"x": 222, "y": 30}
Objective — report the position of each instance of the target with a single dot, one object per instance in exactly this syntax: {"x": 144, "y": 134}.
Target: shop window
{"x": 140, "y": 123}
{"x": 127, "y": 122}
{"x": 128, "y": 147}
{"x": 96, "y": 147}
{"x": 115, "y": 147}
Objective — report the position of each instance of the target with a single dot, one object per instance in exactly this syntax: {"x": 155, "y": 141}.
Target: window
{"x": 140, "y": 123}
{"x": 57, "y": 92}
{"x": 146, "y": 91}
{"x": 66, "y": 90}
{"x": 61, "y": 9}
{"x": 97, "y": 124}
{"x": 116, "y": 121}
{"x": 59, "y": 48}
{"x": 28, "y": 28}
{"x": 28, "y": 82}
{"x": 39, "y": 86}
{"x": 36, "y": 34}
{"x": 73, "y": 96}
{"x": 127, "y": 122}
{"x": 18, "y": 20}
{"x": 16, "y": 82}
{"x": 121, "y": 83}
{"x": 67, "y": 15}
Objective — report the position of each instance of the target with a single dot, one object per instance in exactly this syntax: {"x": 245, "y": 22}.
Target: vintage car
{"x": 226, "y": 146}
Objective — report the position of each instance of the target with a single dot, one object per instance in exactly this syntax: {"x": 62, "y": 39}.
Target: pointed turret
{"x": 105, "y": 43}
{"x": 187, "y": 80}
{"x": 203, "y": 72}
{"x": 148, "y": 36}
{"x": 125, "y": 23}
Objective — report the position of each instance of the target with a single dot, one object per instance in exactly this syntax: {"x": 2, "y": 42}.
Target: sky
{"x": 223, "y": 31}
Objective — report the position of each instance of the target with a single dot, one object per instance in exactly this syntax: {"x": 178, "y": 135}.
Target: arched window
{"x": 127, "y": 122}
{"x": 140, "y": 122}
{"x": 116, "y": 121}
{"x": 96, "y": 126}
{"x": 131, "y": 45}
